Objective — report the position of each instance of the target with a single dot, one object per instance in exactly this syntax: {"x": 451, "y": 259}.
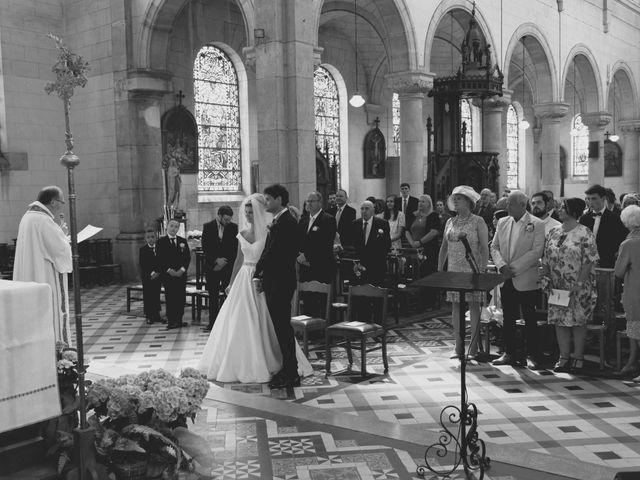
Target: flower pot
{"x": 136, "y": 470}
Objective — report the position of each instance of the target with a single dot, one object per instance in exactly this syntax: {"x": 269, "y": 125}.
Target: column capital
{"x": 596, "y": 120}
{"x": 317, "y": 55}
{"x": 413, "y": 81}
{"x": 551, "y": 111}
{"x": 495, "y": 103}
{"x": 629, "y": 126}
{"x": 249, "y": 57}
{"x": 145, "y": 83}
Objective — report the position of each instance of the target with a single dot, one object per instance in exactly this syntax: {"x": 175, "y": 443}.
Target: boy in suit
{"x": 174, "y": 257}
{"x": 407, "y": 204}
{"x": 220, "y": 247}
{"x": 150, "y": 272}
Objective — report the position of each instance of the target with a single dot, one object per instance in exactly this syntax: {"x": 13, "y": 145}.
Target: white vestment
{"x": 43, "y": 255}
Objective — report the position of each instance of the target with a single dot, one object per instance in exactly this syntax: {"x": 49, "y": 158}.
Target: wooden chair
{"x": 305, "y": 324}
{"x": 360, "y": 325}
{"x": 604, "y": 317}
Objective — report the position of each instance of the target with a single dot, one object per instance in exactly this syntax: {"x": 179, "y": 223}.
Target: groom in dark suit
{"x": 275, "y": 274}
{"x": 220, "y": 247}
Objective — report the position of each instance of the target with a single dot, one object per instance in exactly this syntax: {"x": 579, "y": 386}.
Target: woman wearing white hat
{"x": 463, "y": 200}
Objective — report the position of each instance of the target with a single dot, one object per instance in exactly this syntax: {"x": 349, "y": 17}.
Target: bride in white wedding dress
{"x": 243, "y": 346}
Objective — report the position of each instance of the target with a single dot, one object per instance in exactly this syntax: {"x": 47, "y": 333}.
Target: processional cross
{"x": 70, "y": 69}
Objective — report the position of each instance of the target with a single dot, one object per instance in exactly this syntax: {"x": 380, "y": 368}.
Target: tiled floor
{"x": 591, "y": 419}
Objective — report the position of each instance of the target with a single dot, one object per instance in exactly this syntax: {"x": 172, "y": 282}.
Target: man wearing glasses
{"x": 43, "y": 254}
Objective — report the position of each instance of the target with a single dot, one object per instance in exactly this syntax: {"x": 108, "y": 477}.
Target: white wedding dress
{"x": 243, "y": 346}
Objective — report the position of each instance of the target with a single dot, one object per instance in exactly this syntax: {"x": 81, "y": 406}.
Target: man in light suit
{"x": 516, "y": 249}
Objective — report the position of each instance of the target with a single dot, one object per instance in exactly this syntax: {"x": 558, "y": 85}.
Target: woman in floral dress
{"x": 463, "y": 200}
{"x": 568, "y": 263}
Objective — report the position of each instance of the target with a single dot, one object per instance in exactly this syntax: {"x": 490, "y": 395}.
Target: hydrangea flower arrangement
{"x": 144, "y": 417}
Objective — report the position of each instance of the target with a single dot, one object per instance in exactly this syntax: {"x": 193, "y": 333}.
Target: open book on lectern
{"x": 86, "y": 233}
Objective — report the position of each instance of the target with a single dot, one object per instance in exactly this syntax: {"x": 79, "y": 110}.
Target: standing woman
{"x": 569, "y": 263}
{"x": 423, "y": 233}
{"x": 628, "y": 269}
{"x": 395, "y": 217}
{"x": 463, "y": 200}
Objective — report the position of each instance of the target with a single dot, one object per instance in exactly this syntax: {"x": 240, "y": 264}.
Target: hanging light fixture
{"x": 523, "y": 123}
{"x": 356, "y": 100}
{"x": 614, "y": 137}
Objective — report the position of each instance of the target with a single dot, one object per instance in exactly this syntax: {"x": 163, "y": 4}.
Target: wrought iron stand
{"x": 464, "y": 444}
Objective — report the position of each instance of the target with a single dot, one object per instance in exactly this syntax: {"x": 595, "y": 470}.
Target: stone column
{"x": 494, "y": 135}
{"x": 630, "y": 154}
{"x": 284, "y": 62}
{"x": 139, "y": 149}
{"x": 411, "y": 88}
{"x": 596, "y": 121}
{"x": 549, "y": 115}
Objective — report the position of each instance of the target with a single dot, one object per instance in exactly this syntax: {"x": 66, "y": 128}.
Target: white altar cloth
{"x": 28, "y": 378}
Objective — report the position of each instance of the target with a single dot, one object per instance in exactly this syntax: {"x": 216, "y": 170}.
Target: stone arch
{"x": 440, "y": 15}
{"x": 390, "y": 19}
{"x": 157, "y": 25}
{"x": 539, "y": 60}
{"x": 590, "y": 92}
{"x": 625, "y": 92}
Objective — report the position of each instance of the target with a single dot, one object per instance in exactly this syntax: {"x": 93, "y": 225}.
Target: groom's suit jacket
{"x": 523, "y": 260}
{"x": 277, "y": 264}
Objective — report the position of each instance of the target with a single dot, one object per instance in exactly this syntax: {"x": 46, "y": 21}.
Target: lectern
{"x": 469, "y": 449}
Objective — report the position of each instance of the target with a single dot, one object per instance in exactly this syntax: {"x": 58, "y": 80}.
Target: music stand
{"x": 467, "y": 414}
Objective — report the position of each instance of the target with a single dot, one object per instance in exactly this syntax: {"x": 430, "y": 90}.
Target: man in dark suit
{"x": 174, "y": 257}
{"x": 332, "y": 207}
{"x": 344, "y": 213}
{"x": 370, "y": 237}
{"x": 275, "y": 274}
{"x": 150, "y": 272}
{"x": 407, "y": 204}
{"x": 485, "y": 210}
{"x": 220, "y": 247}
{"x": 317, "y": 233}
{"x": 605, "y": 225}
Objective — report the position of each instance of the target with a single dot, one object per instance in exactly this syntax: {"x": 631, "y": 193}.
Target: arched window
{"x": 579, "y": 147}
{"x": 395, "y": 109}
{"x": 513, "y": 143}
{"x": 326, "y": 105}
{"x": 215, "y": 87}
{"x": 466, "y": 143}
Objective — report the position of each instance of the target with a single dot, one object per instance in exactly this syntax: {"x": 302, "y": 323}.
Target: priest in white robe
{"x": 43, "y": 254}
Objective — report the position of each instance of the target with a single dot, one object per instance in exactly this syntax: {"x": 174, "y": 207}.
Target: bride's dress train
{"x": 243, "y": 346}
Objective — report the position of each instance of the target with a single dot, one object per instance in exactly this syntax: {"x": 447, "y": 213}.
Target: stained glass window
{"x": 465, "y": 117}
{"x": 513, "y": 154}
{"x": 580, "y": 147}
{"x": 326, "y": 104}
{"x": 395, "y": 107}
{"x": 215, "y": 87}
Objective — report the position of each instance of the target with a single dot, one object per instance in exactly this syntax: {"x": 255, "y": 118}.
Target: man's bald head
{"x": 367, "y": 209}
{"x": 517, "y": 204}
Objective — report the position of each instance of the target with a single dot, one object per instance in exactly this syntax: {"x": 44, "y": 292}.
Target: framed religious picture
{"x": 375, "y": 152}
{"x": 612, "y": 159}
{"x": 180, "y": 139}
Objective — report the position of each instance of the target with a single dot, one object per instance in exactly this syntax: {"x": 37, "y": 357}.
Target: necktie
{"x": 404, "y": 205}
{"x": 338, "y": 213}
{"x": 220, "y": 231}
{"x": 364, "y": 233}
{"x": 598, "y": 214}
{"x": 173, "y": 242}
{"x": 153, "y": 249}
